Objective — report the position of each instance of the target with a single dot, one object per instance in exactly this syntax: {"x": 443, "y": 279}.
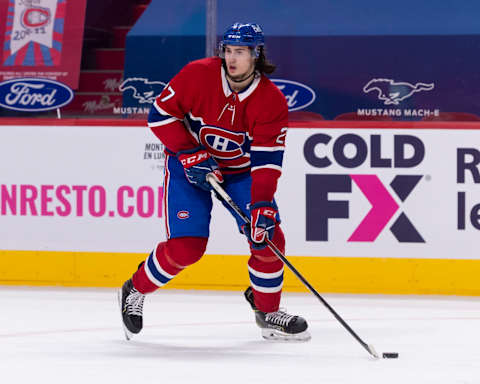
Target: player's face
{"x": 239, "y": 61}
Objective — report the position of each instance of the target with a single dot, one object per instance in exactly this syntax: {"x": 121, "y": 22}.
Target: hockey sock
{"x": 266, "y": 275}
{"x": 166, "y": 261}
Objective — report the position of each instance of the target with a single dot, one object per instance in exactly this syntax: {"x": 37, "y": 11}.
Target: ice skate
{"x": 279, "y": 325}
{"x": 131, "y": 308}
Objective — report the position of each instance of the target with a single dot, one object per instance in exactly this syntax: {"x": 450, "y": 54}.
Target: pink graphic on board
{"x": 383, "y": 208}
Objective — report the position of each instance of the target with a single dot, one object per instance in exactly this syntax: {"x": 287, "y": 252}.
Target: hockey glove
{"x": 197, "y": 164}
{"x": 262, "y": 216}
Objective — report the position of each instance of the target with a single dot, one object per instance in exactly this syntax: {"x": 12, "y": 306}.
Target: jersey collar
{"x": 243, "y": 94}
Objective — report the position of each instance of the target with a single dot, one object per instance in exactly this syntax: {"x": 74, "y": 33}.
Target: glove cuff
{"x": 190, "y": 151}
{"x": 262, "y": 204}
{"x": 192, "y": 157}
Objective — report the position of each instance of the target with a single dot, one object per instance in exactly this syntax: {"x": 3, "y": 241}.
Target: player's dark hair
{"x": 263, "y": 65}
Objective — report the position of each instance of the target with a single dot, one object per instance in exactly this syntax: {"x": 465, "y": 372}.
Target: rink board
{"x": 229, "y": 272}
{"x": 366, "y": 207}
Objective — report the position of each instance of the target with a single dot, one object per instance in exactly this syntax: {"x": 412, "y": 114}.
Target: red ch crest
{"x": 221, "y": 143}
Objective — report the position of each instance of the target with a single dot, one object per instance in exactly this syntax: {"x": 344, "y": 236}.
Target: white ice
{"x": 71, "y": 335}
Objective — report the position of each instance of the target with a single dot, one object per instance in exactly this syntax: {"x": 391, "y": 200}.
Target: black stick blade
{"x": 390, "y": 355}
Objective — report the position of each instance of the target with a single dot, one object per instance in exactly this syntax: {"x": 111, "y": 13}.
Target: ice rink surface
{"x": 72, "y": 335}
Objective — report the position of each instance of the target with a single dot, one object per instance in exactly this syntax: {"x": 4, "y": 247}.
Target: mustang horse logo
{"x": 391, "y": 92}
{"x": 143, "y": 90}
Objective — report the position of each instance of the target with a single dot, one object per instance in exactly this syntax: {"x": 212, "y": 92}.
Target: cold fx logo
{"x": 321, "y": 208}
{"x": 393, "y": 92}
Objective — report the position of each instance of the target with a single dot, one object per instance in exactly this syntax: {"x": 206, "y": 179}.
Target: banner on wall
{"x": 42, "y": 39}
{"x": 399, "y": 193}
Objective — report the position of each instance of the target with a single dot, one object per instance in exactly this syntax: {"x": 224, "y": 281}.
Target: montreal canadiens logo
{"x": 298, "y": 95}
{"x": 183, "y": 215}
{"x": 36, "y": 17}
{"x": 221, "y": 143}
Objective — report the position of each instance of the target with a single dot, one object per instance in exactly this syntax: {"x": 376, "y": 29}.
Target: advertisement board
{"x": 353, "y": 60}
{"x": 80, "y": 188}
{"x": 406, "y": 193}
{"x": 374, "y": 207}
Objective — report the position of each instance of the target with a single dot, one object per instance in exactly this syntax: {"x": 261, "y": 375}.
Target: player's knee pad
{"x": 266, "y": 255}
{"x": 181, "y": 252}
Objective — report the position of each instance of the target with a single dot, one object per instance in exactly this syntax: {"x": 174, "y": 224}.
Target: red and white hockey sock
{"x": 154, "y": 272}
{"x": 166, "y": 261}
{"x": 266, "y": 274}
{"x": 266, "y": 282}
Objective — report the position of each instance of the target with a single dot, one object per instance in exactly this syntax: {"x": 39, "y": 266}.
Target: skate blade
{"x": 276, "y": 335}
{"x": 128, "y": 334}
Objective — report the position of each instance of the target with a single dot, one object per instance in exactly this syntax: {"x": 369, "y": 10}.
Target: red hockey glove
{"x": 263, "y": 217}
{"x": 197, "y": 164}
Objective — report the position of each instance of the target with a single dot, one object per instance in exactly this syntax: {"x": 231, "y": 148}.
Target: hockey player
{"x": 221, "y": 115}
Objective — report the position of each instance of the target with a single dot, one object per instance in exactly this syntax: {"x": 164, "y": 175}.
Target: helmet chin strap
{"x": 241, "y": 80}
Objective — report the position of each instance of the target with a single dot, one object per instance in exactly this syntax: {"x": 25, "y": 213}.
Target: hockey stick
{"x": 224, "y": 195}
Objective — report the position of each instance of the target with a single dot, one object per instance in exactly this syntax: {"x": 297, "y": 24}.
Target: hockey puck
{"x": 390, "y": 355}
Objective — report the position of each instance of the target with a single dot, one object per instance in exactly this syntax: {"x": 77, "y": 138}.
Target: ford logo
{"x": 298, "y": 95}
{"x": 34, "y": 95}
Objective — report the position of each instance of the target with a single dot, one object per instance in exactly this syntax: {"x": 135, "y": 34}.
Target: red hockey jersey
{"x": 244, "y": 131}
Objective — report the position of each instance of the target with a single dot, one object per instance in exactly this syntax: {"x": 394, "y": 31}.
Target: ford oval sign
{"x": 298, "y": 95}
{"x": 34, "y": 95}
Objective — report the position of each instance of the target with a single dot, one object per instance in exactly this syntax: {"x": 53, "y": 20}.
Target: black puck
{"x": 390, "y": 355}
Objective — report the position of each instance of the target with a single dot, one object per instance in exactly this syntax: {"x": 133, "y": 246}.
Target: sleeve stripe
{"x": 267, "y": 149}
{"x": 163, "y": 122}
{"x": 270, "y": 166}
{"x": 160, "y": 110}
{"x": 246, "y": 164}
{"x": 265, "y": 158}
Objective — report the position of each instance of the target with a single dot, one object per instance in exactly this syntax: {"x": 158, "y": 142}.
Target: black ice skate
{"x": 131, "y": 308}
{"x": 279, "y": 325}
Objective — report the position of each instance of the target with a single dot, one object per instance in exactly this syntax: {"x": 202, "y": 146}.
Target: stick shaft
{"x": 224, "y": 195}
